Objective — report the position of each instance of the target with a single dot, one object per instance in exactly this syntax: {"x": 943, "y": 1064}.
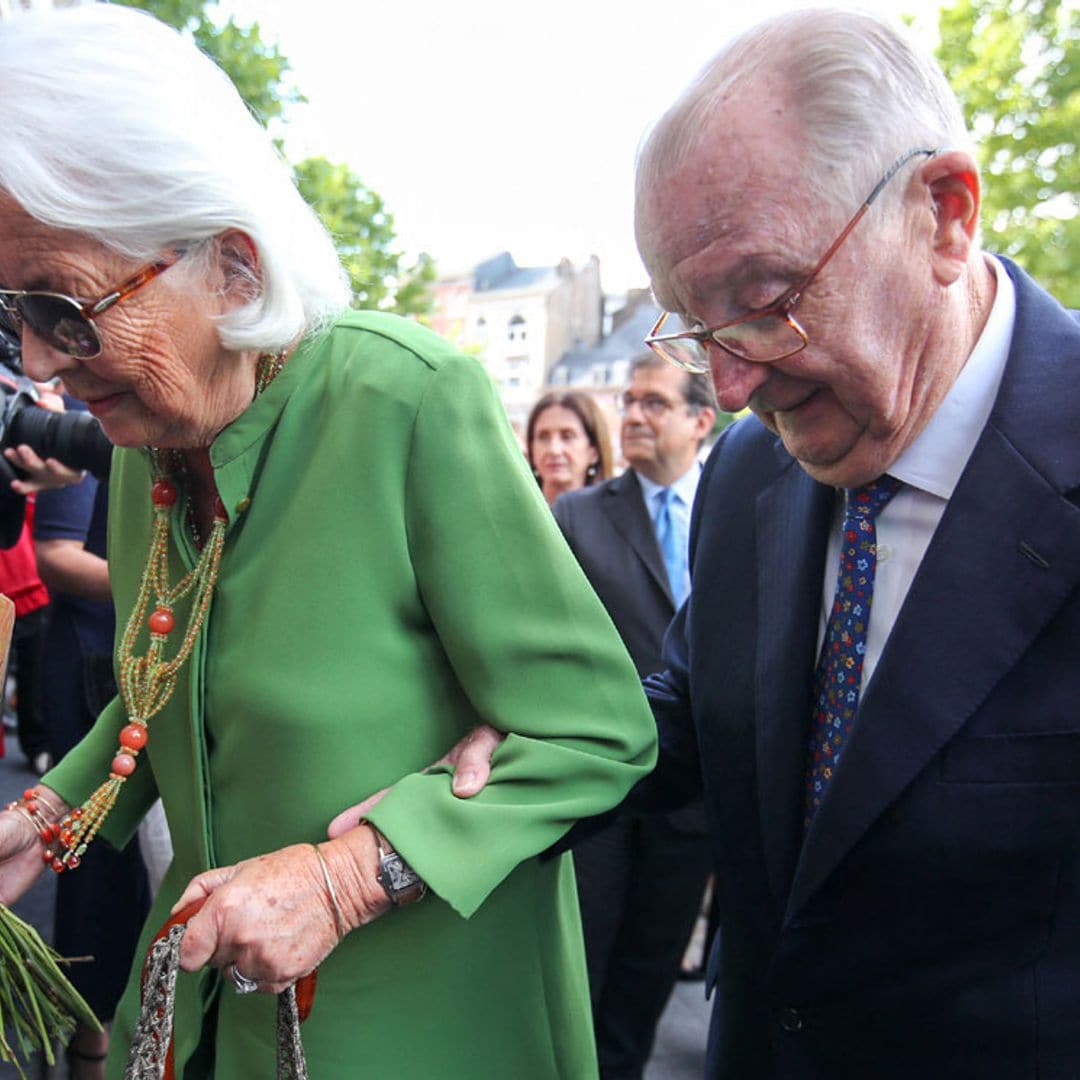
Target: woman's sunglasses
{"x": 67, "y": 324}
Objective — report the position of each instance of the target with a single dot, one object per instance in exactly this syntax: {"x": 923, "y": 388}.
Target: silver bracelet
{"x": 338, "y": 917}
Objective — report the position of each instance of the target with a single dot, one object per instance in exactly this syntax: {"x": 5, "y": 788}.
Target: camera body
{"x": 75, "y": 438}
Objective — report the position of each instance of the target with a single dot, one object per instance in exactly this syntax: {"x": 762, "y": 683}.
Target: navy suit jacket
{"x": 928, "y": 924}
{"x": 611, "y": 534}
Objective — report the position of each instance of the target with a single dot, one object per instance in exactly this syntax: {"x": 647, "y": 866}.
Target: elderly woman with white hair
{"x": 329, "y": 563}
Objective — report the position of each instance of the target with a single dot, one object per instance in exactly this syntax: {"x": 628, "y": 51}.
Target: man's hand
{"x": 471, "y": 758}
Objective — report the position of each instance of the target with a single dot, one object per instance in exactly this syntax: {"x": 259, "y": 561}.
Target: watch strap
{"x": 403, "y": 885}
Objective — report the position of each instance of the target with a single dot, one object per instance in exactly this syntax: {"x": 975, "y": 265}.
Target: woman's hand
{"x": 471, "y": 758}
{"x": 21, "y": 850}
{"x": 273, "y": 916}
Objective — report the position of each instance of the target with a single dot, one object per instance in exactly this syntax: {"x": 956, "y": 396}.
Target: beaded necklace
{"x": 147, "y": 682}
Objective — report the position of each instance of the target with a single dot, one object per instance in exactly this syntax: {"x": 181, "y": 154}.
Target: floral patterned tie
{"x": 838, "y": 678}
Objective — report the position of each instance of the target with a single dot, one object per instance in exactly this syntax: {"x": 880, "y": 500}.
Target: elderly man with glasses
{"x": 874, "y": 680}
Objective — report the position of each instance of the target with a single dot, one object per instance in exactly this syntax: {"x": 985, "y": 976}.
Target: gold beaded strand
{"x": 147, "y": 682}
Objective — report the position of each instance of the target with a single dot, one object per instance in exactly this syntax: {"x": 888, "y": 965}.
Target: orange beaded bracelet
{"x": 30, "y": 806}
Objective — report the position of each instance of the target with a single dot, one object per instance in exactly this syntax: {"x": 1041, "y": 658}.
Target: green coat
{"x": 391, "y": 578}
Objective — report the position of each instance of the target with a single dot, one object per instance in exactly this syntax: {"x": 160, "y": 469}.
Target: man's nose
{"x": 735, "y": 379}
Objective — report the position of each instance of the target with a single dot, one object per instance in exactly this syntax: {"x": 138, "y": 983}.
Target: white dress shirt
{"x": 929, "y": 468}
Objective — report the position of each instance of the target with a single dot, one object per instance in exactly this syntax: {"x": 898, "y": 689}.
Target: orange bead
{"x": 163, "y": 493}
{"x": 123, "y": 764}
{"x": 29, "y": 793}
{"x": 47, "y": 856}
{"x": 73, "y": 862}
{"x": 162, "y": 622}
{"x": 134, "y": 737}
{"x": 58, "y": 866}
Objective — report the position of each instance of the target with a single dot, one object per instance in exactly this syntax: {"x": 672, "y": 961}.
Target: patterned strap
{"x": 151, "y": 1054}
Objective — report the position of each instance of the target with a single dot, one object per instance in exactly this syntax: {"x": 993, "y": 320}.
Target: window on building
{"x": 515, "y": 328}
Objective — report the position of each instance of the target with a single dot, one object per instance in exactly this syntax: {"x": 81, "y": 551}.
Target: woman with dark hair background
{"x": 567, "y": 443}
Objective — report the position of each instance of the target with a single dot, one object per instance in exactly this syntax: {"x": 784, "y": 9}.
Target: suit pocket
{"x": 1044, "y": 758}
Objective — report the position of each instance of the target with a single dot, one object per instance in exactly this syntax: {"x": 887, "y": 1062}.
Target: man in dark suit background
{"x": 640, "y": 879}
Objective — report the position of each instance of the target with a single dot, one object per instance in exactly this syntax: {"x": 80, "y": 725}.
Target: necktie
{"x": 669, "y": 535}
{"x": 838, "y": 678}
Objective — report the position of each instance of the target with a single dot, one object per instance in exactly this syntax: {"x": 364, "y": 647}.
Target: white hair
{"x": 117, "y": 127}
{"x": 864, "y": 94}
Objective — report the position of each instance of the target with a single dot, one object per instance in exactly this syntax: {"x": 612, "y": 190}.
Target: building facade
{"x": 519, "y": 321}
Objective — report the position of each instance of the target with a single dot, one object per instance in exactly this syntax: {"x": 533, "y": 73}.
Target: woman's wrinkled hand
{"x": 471, "y": 759}
{"x": 21, "y": 860}
{"x": 273, "y": 916}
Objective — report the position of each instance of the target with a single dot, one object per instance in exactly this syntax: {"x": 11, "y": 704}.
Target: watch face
{"x": 399, "y": 874}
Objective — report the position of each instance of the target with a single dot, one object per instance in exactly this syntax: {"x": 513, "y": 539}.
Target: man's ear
{"x": 238, "y": 265}
{"x": 953, "y": 181}
{"x": 706, "y": 417}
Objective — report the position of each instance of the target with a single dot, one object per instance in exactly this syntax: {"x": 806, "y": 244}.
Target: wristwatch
{"x": 402, "y": 883}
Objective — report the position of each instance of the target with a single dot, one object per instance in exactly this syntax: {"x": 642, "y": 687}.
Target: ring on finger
{"x": 241, "y": 982}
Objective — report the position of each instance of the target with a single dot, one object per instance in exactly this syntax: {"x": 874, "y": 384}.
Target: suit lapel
{"x": 1004, "y": 558}
{"x": 625, "y": 505}
{"x": 792, "y": 517}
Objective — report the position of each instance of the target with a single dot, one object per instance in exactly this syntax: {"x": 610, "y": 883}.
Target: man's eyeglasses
{"x": 67, "y": 324}
{"x": 650, "y": 404}
{"x": 769, "y": 333}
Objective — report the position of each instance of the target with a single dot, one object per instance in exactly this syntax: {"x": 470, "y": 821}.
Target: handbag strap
{"x": 151, "y": 1056}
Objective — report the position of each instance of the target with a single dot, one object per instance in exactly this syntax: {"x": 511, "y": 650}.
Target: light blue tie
{"x": 669, "y": 535}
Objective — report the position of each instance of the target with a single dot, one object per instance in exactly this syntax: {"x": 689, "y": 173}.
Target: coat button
{"x": 791, "y": 1020}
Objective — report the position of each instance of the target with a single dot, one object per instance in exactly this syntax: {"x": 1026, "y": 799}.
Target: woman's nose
{"x": 41, "y": 361}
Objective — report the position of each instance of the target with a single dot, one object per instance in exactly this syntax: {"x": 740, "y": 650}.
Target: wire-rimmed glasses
{"x": 770, "y": 333}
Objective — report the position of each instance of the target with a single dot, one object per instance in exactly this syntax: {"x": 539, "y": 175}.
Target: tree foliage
{"x": 259, "y": 70}
{"x": 1015, "y": 65}
{"x": 362, "y": 228}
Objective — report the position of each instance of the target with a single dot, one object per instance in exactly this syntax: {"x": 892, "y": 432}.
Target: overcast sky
{"x": 490, "y": 126}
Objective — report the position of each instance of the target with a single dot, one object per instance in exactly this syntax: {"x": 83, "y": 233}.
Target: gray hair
{"x": 864, "y": 95}
{"x": 697, "y": 388}
{"x": 117, "y": 127}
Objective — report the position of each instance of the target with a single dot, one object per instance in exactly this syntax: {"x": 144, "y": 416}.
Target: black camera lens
{"x": 75, "y": 438}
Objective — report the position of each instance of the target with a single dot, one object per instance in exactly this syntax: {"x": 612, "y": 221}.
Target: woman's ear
{"x": 953, "y": 180}
{"x": 238, "y": 266}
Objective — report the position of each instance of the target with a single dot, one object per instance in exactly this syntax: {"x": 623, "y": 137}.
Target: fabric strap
{"x": 150, "y": 1056}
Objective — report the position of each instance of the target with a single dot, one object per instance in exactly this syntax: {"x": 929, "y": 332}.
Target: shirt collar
{"x": 935, "y": 460}
{"x": 685, "y": 487}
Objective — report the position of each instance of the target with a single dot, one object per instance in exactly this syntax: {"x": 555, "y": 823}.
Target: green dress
{"x": 391, "y": 577}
